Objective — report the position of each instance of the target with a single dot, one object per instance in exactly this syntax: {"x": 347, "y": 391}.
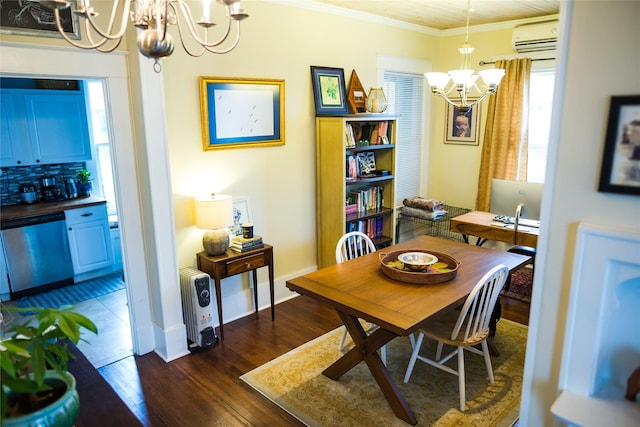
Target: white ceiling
{"x": 448, "y": 14}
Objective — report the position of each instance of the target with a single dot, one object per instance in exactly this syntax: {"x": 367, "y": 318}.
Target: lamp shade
{"x": 214, "y": 212}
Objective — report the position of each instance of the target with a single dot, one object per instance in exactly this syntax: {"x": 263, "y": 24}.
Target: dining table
{"x": 359, "y": 289}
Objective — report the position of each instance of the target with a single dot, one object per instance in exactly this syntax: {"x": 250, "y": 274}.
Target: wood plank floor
{"x": 204, "y": 388}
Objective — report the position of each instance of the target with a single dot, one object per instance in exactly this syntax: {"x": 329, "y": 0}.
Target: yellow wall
{"x": 453, "y": 169}
{"x": 277, "y": 42}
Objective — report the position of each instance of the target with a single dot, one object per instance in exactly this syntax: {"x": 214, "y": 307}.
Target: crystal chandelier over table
{"x": 153, "y": 17}
{"x": 462, "y": 88}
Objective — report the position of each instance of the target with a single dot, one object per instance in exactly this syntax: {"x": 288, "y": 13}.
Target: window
{"x": 404, "y": 95}
{"x": 540, "y": 102}
{"x": 103, "y": 179}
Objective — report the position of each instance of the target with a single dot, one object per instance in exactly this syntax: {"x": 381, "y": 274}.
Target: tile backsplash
{"x": 12, "y": 178}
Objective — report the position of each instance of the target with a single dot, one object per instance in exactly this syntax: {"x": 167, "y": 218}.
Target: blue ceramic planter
{"x": 62, "y": 413}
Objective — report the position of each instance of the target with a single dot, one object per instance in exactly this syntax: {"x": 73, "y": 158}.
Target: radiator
{"x": 197, "y": 308}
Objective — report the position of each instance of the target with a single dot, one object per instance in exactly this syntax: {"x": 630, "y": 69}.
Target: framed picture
{"x": 241, "y": 215}
{"x": 329, "y": 91}
{"x": 30, "y": 18}
{"x": 620, "y": 171}
{"x": 241, "y": 112}
{"x": 462, "y": 127}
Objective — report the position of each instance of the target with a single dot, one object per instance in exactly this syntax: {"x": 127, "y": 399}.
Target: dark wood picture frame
{"x": 30, "y": 18}
{"x": 620, "y": 172}
{"x": 329, "y": 91}
{"x": 241, "y": 112}
{"x": 471, "y": 137}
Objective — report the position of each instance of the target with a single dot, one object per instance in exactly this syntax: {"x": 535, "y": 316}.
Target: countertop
{"x": 41, "y": 208}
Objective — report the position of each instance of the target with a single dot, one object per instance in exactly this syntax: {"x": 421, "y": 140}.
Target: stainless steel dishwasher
{"x": 37, "y": 253}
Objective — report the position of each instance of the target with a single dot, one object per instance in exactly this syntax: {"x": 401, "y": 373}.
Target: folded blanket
{"x": 422, "y": 203}
{"x": 422, "y": 213}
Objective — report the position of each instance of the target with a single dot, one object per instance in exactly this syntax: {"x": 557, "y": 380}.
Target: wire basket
{"x": 438, "y": 227}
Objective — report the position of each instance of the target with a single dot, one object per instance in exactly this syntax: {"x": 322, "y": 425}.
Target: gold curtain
{"x": 504, "y": 150}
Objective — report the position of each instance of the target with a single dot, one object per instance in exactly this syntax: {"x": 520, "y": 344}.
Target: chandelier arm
{"x": 114, "y": 10}
{"x": 230, "y": 48}
{"x": 186, "y": 12}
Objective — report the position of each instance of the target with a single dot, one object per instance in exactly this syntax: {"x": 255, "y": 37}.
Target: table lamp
{"x": 214, "y": 213}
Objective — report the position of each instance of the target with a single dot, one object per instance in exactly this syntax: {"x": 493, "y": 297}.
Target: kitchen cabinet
{"x": 89, "y": 239}
{"x": 43, "y": 126}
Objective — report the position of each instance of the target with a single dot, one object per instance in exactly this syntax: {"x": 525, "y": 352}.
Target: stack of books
{"x": 241, "y": 244}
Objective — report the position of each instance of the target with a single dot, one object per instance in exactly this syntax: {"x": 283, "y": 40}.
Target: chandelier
{"x": 153, "y": 17}
{"x": 457, "y": 86}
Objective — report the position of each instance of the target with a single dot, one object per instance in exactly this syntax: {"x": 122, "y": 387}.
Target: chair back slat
{"x": 476, "y": 312}
{"x": 353, "y": 245}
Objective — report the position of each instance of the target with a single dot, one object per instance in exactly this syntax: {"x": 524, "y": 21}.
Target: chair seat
{"x": 523, "y": 250}
{"x": 440, "y": 329}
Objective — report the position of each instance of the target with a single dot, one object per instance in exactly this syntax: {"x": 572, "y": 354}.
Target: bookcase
{"x": 355, "y": 166}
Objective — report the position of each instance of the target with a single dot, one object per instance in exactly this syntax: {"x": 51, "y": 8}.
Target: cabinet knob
{"x": 70, "y": 228}
{"x": 247, "y": 264}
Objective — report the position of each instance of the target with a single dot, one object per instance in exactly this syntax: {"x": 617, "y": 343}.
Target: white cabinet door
{"x": 13, "y": 135}
{"x": 58, "y": 126}
{"x": 89, "y": 238}
{"x": 43, "y": 127}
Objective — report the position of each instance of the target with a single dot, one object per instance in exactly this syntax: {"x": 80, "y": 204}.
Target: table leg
{"x": 255, "y": 289}
{"x": 366, "y": 348}
{"x": 272, "y": 291}
{"x": 219, "y": 303}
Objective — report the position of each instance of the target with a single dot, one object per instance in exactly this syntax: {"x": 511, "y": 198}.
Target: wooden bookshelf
{"x": 333, "y": 186}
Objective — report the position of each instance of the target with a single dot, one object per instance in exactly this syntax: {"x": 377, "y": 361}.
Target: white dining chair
{"x": 353, "y": 245}
{"x": 463, "y": 329}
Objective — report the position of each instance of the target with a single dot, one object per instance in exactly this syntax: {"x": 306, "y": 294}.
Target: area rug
{"x": 521, "y": 285}
{"x": 72, "y": 294}
{"x": 295, "y": 382}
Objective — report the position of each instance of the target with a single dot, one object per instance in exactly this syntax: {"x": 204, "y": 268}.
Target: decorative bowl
{"x": 417, "y": 261}
{"x": 442, "y": 271}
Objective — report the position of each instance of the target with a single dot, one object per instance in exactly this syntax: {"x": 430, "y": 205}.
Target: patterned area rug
{"x": 75, "y": 293}
{"x": 521, "y": 285}
{"x": 294, "y": 382}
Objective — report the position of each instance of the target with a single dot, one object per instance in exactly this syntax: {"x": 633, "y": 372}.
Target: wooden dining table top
{"x": 359, "y": 287}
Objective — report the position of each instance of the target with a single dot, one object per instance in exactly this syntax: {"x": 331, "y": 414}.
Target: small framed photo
{"x": 241, "y": 112}
{"x": 620, "y": 171}
{"x": 30, "y": 18}
{"x": 329, "y": 91}
{"x": 462, "y": 127}
{"x": 241, "y": 215}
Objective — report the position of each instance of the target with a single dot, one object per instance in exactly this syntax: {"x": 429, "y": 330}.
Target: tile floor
{"x": 110, "y": 313}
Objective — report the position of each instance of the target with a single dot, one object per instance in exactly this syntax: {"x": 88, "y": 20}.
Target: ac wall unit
{"x": 197, "y": 308}
{"x": 535, "y": 37}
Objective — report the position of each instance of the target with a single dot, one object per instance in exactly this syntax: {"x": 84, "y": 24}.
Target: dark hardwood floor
{"x": 204, "y": 388}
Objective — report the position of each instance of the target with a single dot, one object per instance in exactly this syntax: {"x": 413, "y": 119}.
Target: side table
{"x": 232, "y": 263}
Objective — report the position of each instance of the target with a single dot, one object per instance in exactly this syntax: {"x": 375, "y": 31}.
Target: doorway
{"x": 20, "y": 60}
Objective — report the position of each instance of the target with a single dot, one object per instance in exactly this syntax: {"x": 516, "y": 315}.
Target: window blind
{"x": 404, "y": 95}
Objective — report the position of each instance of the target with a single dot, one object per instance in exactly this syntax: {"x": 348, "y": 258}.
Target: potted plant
{"x": 84, "y": 183}
{"x": 34, "y": 357}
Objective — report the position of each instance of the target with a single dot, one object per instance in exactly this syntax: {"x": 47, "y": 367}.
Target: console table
{"x": 232, "y": 263}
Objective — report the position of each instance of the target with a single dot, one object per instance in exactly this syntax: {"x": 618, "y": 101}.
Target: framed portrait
{"x": 329, "y": 91}
{"x": 620, "y": 171}
{"x": 30, "y": 18}
{"x": 241, "y": 215}
{"x": 239, "y": 113}
{"x": 462, "y": 127}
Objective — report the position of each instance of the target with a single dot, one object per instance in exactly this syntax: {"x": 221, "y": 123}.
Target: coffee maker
{"x": 50, "y": 191}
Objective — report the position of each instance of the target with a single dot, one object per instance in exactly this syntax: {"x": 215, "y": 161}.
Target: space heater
{"x": 197, "y": 308}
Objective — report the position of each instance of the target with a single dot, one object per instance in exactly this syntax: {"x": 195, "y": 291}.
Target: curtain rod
{"x": 482, "y": 63}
